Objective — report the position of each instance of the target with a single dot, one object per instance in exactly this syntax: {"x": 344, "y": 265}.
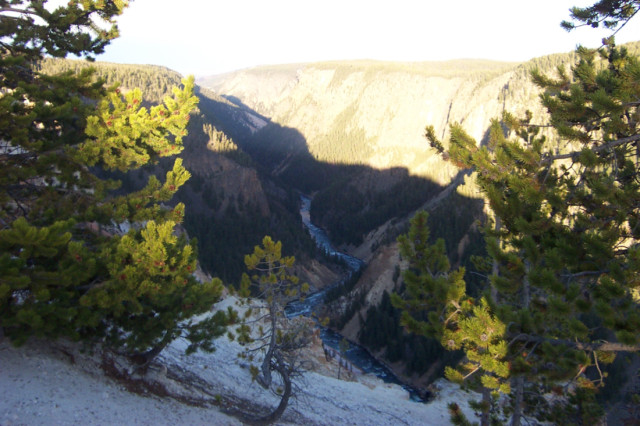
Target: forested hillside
{"x": 154, "y": 81}
{"x": 230, "y": 207}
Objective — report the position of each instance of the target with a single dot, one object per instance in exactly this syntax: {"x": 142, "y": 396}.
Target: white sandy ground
{"x": 39, "y": 386}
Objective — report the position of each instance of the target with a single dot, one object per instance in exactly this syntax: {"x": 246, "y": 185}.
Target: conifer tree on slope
{"x": 563, "y": 297}
{"x": 270, "y": 333}
{"x": 63, "y": 271}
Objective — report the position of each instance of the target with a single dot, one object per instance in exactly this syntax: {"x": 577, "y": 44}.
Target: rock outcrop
{"x": 374, "y": 113}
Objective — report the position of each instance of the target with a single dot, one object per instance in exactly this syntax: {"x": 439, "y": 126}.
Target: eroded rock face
{"x": 377, "y": 278}
{"x": 316, "y": 274}
{"x": 382, "y": 108}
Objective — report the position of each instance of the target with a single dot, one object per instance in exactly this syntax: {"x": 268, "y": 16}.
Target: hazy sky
{"x": 205, "y": 37}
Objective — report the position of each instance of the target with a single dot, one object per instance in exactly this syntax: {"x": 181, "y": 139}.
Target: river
{"x": 311, "y": 301}
{"x": 356, "y": 354}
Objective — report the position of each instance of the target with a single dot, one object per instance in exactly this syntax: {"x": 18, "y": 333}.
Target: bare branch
{"x": 600, "y": 148}
{"x": 585, "y": 274}
{"x": 471, "y": 373}
{"x": 21, "y": 11}
{"x": 583, "y": 346}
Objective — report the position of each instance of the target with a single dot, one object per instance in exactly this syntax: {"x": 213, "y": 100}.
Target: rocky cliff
{"x": 364, "y": 122}
{"x": 374, "y": 113}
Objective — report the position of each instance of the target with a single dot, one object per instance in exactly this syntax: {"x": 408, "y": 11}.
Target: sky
{"x": 206, "y": 37}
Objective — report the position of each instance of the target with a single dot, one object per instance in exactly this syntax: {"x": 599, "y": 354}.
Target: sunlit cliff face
{"x": 374, "y": 113}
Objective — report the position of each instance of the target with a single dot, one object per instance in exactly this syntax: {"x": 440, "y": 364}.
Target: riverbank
{"x": 358, "y": 355}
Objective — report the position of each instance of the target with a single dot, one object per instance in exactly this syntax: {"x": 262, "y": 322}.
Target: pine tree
{"x": 435, "y": 305}
{"x": 273, "y": 334}
{"x": 65, "y": 268}
{"x": 563, "y": 295}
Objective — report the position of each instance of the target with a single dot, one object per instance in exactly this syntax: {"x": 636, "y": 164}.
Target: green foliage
{"x": 65, "y": 267}
{"x": 562, "y": 293}
{"x": 124, "y": 135}
{"x": 274, "y": 282}
{"x": 434, "y": 304}
{"x": 34, "y": 30}
{"x": 428, "y": 276}
{"x": 609, "y": 14}
{"x": 382, "y": 331}
{"x": 219, "y": 142}
{"x": 278, "y": 338}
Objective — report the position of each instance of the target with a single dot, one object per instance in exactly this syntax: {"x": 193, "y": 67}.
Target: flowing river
{"x": 356, "y": 354}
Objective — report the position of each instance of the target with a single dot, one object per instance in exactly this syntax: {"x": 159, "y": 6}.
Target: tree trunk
{"x": 495, "y": 270}
{"x": 265, "y": 379}
{"x": 485, "y": 420}
{"x": 518, "y": 384}
{"x": 144, "y": 359}
{"x": 281, "y": 368}
{"x": 526, "y": 286}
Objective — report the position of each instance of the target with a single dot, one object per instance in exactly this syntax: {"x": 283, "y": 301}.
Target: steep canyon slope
{"x": 230, "y": 206}
{"x": 374, "y": 113}
{"x": 354, "y": 131}
{"x": 364, "y": 121}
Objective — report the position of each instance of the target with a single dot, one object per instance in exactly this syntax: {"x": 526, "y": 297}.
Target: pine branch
{"x": 21, "y": 11}
{"x": 257, "y": 320}
{"x": 472, "y": 372}
{"x": 585, "y": 274}
{"x": 612, "y": 144}
{"x": 602, "y": 346}
{"x": 625, "y": 23}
